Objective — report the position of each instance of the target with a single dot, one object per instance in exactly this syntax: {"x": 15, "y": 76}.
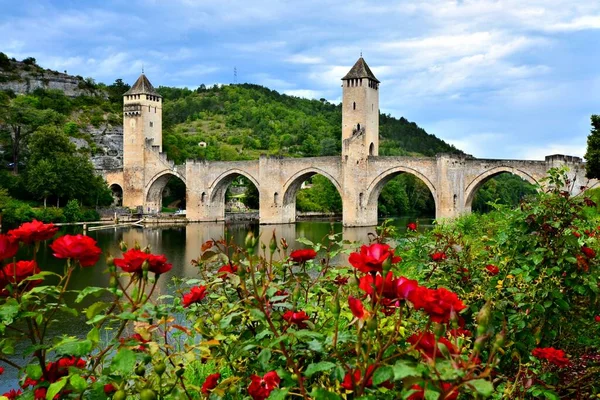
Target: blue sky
{"x": 498, "y": 79}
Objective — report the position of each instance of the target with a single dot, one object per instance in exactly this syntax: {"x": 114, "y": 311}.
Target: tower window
{"x": 151, "y": 124}
{"x": 361, "y": 82}
{"x": 354, "y": 106}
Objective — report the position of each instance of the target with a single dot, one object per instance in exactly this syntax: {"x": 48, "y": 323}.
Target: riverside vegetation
{"x": 502, "y": 305}
{"x": 237, "y": 122}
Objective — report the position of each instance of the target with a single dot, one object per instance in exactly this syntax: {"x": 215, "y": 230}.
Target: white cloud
{"x": 303, "y": 59}
{"x": 306, "y": 93}
{"x": 540, "y": 151}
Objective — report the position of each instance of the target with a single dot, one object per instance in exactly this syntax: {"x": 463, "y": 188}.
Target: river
{"x": 180, "y": 244}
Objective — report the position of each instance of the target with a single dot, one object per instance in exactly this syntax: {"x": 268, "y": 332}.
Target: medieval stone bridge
{"x": 359, "y": 174}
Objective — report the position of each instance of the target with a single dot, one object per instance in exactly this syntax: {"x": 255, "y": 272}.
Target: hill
{"x": 240, "y": 122}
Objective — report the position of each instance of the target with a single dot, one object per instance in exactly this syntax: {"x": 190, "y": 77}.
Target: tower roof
{"x": 142, "y": 86}
{"x": 360, "y": 70}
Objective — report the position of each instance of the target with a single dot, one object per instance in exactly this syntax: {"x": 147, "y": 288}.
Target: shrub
{"x": 72, "y": 211}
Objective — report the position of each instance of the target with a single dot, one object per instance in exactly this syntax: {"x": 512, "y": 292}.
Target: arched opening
{"x": 402, "y": 194}
{"x": 312, "y": 195}
{"x": 500, "y": 187}
{"x": 117, "y": 194}
{"x": 238, "y": 196}
{"x": 354, "y": 105}
{"x": 371, "y": 149}
{"x": 166, "y": 194}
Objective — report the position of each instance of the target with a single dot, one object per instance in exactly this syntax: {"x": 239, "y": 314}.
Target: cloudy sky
{"x": 496, "y": 78}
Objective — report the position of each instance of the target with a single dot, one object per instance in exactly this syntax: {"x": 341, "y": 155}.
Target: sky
{"x": 511, "y": 79}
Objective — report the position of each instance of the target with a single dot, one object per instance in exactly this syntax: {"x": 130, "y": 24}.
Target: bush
{"x": 50, "y": 214}
{"x": 73, "y": 211}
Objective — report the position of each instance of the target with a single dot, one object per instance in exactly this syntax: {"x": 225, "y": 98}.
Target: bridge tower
{"x": 142, "y": 125}
{"x": 360, "y": 112}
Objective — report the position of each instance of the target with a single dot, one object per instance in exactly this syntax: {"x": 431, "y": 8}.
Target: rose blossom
{"x": 426, "y": 344}
{"x": 411, "y": 226}
{"x": 597, "y": 318}
{"x": 492, "y": 269}
{"x": 109, "y": 388}
{"x": 357, "y": 308}
{"x": 589, "y": 253}
{"x": 353, "y": 378}
{"x": 9, "y": 246}
{"x": 78, "y": 247}
{"x": 438, "y": 256}
{"x": 132, "y": 261}
{"x": 371, "y": 258}
{"x": 303, "y": 255}
{"x": 552, "y": 355}
{"x": 158, "y": 264}
{"x": 261, "y": 388}
{"x": 438, "y": 303}
{"x": 296, "y": 318}
{"x": 17, "y": 272}
{"x": 196, "y": 294}
{"x": 227, "y": 269}
{"x": 210, "y": 383}
{"x": 34, "y": 231}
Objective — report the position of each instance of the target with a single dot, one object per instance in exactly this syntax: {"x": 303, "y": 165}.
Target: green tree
{"x": 592, "y": 154}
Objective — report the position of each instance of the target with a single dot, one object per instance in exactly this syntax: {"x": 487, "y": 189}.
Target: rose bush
{"x": 393, "y": 322}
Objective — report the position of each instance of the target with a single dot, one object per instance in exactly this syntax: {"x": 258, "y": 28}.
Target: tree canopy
{"x": 592, "y": 154}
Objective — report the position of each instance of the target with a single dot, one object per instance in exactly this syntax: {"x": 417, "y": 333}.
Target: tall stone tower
{"x": 142, "y": 120}
{"x": 360, "y": 112}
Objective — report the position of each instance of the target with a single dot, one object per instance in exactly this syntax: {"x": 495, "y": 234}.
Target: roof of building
{"x": 142, "y": 86}
{"x": 360, "y": 70}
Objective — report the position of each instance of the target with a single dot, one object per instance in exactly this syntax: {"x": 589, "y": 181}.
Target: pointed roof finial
{"x": 143, "y": 67}
{"x": 361, "y": 54}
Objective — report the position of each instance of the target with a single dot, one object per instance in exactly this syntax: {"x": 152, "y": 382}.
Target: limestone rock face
{"x": 109, "y": 147}
{"x": 26, "y": 81}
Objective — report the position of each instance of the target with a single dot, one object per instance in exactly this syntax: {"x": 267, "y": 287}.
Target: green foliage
{"x": 406, "y": 195}
{"x": 72, "y": 211}
{"x": 505, "y": 189}
{"x": 592, "y": 154}
{"x": 320, "y": 196}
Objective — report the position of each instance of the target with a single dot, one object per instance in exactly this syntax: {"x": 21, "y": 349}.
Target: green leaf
{"x": 87, "y": 291}
{"x": 306, "y": 334}
{"x": 34, "y": 371}
{"x": 72, "y": 346}
{"x": 95, "y": 309}
{"x": 8, "y": 311}
{"x": 278, "y": 394}
{"x": 481, "y": 386}
{"x": 123, "y": 362}
{"x": 305, "y": 241}
{"x": 431, "y": 394}
{"x": 94, "y": 335}
{"x": 56, "y": 387}
{"x": 323, "y": 394}
{"x": 318, "y": 367}
{"x": 403, "y": 370}
{"x": 383, "y": 374}
{"x": 78, "y": 383}
{"x": 264, "y": 357}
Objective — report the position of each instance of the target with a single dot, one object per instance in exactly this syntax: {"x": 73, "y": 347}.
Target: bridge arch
{"x": 376, "y": 186}
{"x": 221, "y": 183}
{"x": 482, "y": 178}
{"x": 155, "y": 187}
{"x": 117, "y": 193}
{"x": 293, "y": 184}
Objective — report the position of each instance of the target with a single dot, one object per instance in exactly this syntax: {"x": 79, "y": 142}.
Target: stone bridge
{"x": 359, "y": 174}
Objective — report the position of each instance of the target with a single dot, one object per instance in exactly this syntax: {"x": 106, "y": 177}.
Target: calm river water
{"x": 180, "y": 244}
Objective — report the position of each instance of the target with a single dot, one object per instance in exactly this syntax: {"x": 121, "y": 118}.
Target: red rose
{"x": 1, "y": 370}
{"x": 429, "y": 348}
{"x": 261, "y": 388}
{"x": 13, "y": 394}
{"x": 158, "y": 264}
{"x": 9, "y": 246}
{"x": 40, "y": 393}
{"x": 597, "y": 318}
{"x": 371, "y": 258}
{"x": 589, "y": 253}
{"x": 552, "y": 355}
{"x": 303, "y": 255}
{"x": 411, "y": 226}
{"x": 448, "y": 393}
{"x": 34, "y": 231}
{"x": 194, "y": 296}
{"x": 296, "y": 318}
{"x": 341, "y": 280}
{"x": 357, "y": 308}
{"x": 210, "y": 383}
{"x": 438, "y": 303}
{"x": 459, "y": 332}
{"x": 17, "y": 272}
{"x": 227, "y": 269}
{"x": 132, "y": 261}
{"x": 492, "y": 269}
{"x": 576, "y": 234}
{"x": 438, "y": 256}
{"x": 136, "y": 341}
{"x": 353, "y": 379}
{"x": 109, "y": 388}
{"x": 78, "y": 247}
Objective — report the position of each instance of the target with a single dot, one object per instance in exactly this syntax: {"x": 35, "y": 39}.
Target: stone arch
{"x": 293, "y": 184}
{"x": 117, "y": 193}
{"x": 476, "y": 183}
{"x": 221, "y": 183}
{"x": 371, "y": 148}
{"x": 154, "y": 189}
{"x": 376, "y": 186}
